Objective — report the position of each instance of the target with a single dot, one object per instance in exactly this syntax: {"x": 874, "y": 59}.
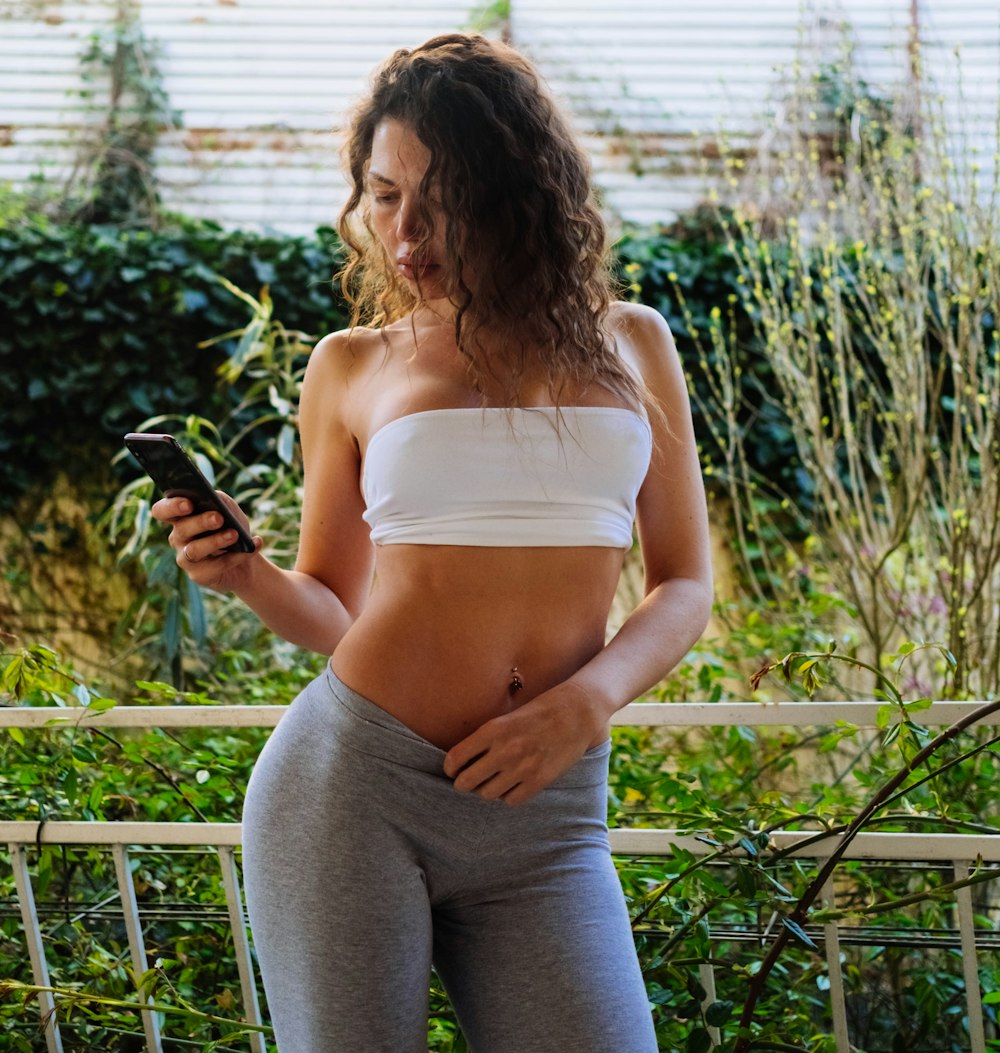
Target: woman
{"x": 479, "y": 449}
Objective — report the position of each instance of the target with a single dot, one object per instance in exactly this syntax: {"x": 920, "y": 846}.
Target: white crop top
{"x": 494, "y": 476}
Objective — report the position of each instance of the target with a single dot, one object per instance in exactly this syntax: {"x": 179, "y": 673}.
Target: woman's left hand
{"x": 517, "y": 755}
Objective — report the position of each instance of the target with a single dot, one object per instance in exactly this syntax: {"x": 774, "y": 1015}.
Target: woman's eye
{"x": 384, "y": 199}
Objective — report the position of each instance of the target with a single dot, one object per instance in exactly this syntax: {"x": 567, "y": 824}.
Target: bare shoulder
{"x": 344, "y": 353}
{"x": 339, "y": 367}
{"x": 644, "y": 340}
{"x": 628, "y": 314}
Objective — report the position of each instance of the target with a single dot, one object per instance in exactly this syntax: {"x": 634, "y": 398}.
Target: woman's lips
{"x": 417, "y": 270}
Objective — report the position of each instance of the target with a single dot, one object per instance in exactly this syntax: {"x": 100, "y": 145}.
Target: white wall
{"x": 262, "y": 86}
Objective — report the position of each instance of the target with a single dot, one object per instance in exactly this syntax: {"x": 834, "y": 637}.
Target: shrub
{"x": 874, "y": 292}
{"x": 106, "y": 326}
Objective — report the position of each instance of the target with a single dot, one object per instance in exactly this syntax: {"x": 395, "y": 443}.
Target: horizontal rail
{"x": 880, "y": 847}
{"x": 883, "y": 847}
{"x": 644, "y": 714}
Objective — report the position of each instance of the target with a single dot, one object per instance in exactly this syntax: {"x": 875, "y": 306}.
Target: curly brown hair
{"x": 515, "y": 185}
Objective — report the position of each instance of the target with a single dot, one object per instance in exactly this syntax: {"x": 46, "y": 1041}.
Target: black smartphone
{"x": 176, "y": 475}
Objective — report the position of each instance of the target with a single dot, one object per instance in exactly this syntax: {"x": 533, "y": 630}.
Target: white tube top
{"x": 507, "y": 477}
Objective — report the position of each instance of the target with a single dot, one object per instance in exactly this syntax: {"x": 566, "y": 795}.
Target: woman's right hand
{"x": 205, "y": 559}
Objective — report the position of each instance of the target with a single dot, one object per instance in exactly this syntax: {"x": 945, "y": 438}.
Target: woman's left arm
{"x": 515, "y": 756}
{"x": 672, "y": 521}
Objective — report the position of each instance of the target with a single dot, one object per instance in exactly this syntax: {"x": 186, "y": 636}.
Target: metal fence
{"x": 960, "y": 852}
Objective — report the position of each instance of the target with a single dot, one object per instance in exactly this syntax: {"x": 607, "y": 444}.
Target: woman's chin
{"x": 427, "y": 289}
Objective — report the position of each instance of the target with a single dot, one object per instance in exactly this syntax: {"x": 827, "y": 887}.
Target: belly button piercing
{"x": 516, "y": 683}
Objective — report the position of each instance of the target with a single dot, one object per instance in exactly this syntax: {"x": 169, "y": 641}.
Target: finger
{"x": 519, "y": 794}
{"x": 465, "y": 752}
{"x": 206, "y": 547}
{"x": 497, "y": 788}
{"x": 475, "y": 774}
{"x": 233, "y": 507}
{"x": 168, "y": 509}
{"x": 202, "y": 527}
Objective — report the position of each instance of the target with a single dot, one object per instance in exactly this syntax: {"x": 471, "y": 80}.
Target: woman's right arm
{"x": 313, "y": 605}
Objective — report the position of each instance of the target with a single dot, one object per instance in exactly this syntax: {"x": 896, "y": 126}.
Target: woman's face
{"x": 395, "y": 169}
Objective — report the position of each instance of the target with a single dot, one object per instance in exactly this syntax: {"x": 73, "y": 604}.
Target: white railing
{"x": 962, "y": 852}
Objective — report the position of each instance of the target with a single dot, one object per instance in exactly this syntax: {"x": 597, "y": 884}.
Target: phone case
{"x": 165, "y": 461}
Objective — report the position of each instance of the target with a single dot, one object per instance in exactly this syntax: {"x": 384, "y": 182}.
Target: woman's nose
{"x": 409, "y": 225}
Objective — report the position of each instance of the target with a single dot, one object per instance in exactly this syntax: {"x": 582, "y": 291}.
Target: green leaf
{"x": 17, "y": 735}
{"x": 799, "y": 933}
{"x": 157, "y": 687}
{"x": 206, "y": 466}
{"x": 286, "y": 444}
{"x": 172, "y": 628}
{"x": 718, "y": 1012}
{"x": 745, "y": 882}
{"x": 689, "y": 1010}
{"x": 164, "y": 569}
{"x": 660, "y": 995}
{"x": 100, "y": 704}
{"x": 695, "y": 989}
{"x": 69, "y": 785}
{"x": 14, "y": 677}
{"x": 45, "y": 656}
{"x": 891, "y": 735}
{"x": 698, "y": 1041}
{"x": 196, "y": 613}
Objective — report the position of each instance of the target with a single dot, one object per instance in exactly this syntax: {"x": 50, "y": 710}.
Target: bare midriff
{"x": 453, "y": 636}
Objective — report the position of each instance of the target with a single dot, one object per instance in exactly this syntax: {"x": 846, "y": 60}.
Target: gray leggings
{"x": 363, "y": 865}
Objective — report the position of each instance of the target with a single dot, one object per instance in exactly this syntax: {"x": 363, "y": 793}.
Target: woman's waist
{"x": 444, "y": 674}
{"x": 370, "y": 729}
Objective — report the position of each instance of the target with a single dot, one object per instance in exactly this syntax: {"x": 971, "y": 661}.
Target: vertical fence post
{"x": 130, "y": 909}
{"x": 241, "y": 945}
{"x": 706, "y": 973}
{"x": 36, "y": 948}
{"x": 970, "y": 964}
{"x": 831, "y": 943}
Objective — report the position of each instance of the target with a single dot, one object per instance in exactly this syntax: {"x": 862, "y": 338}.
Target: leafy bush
{"x": 689, "y": 271}
{"x": 105, "y": 327}
{"x": 874, "y": 292}
{"x": 254, "y": 455}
